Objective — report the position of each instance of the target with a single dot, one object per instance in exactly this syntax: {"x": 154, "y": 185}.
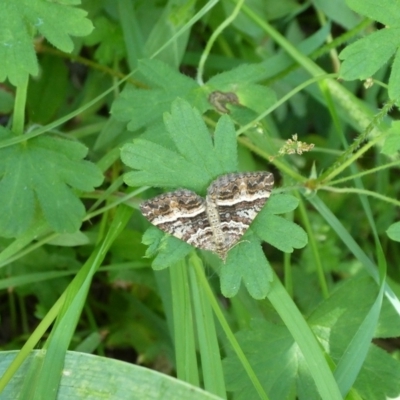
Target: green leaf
{"x": 6, "y": 101}
{"x": 158, "y": 166}
{"x": 240, "y": 82}
{"x": 174, "y": 15}
{"x": 282, "y": 203}
{"x": 41, "y": 172}
{"x": 247, "y": 262}
{"x": 278, "y": 365}
{"x": 194, "y": 164}
{"x": 364, "y": 57}
{"x": 56, "y": 22}
{"x": 77, "y": 238}
{"x": 54, "y": 74}
{"x": 394, "y": 231}
{"x": 392, "y": 141}
{"x": 224, "y": 144}
{"x": 129, "y": 381}
{"x": 384, "y": 11}
{"x": 338, "y": 12}
{"x": 108, "y": 35}
{"x": 192, "y": 138}
{"x": 394, "y": 79}
{"x": 277, "y": 231}
{"x": 166, "y": 249}
{"x": 281, "y": 367}
{"x": 142, "y": 107}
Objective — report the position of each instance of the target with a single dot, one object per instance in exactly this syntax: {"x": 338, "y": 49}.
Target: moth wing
{"x": 181, "y": 214}
{"x": 239, "y": 198}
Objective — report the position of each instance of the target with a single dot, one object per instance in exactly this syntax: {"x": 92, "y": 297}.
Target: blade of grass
{"x": 184, "y": 336}
{"x": 208, "y": 341}
{"x": 51, "y": 365}
{"x": 305, "y": 339}
{"x": 228, "y": 332}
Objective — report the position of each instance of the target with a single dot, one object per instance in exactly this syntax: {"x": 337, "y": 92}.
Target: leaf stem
{"x": 213, "y": 38}
{"x": 283, "y": 100}
{"x": 370, "y": 171}
{"x": 361, "y": 192}
{"x": 19, "y": 110}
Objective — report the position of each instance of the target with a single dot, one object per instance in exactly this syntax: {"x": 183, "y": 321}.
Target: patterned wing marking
{"x": 239, "y": 198}
{"x": 218, "y": 222}
{"x": 181, "y": 214}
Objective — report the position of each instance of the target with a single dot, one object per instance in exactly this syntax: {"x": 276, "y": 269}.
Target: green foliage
{"x": 129, "y": 381}
{"x": 196, "y": 162}
{"x": 363, "y": 58}
{"x": 21, "y": 19}
{"x": 281, "y": 365}
{"x": 394, "y": 232}
{"x": 39, "y": 174}
{"x": 197, "y": 90}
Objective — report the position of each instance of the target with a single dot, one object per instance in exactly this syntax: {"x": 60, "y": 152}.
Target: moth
{"x": 217, "y": 222}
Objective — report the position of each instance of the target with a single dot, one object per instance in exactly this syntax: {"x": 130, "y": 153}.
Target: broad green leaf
{"x": 160, "y": 167}
{"x": 384, "y": 11}
{"x": 224, "y": 144}
{"x": 56, "y": 22}
{"x": 379, "y": 377}
{"x": 280, "y": 233}
{"x": 247, "y": 262}
{"x": 277, "y": 231}
{"x": 129, "y": 381}
{"x": 194, "y": 164}
{"x": 348, "y": 307}
{"x": 394, "y": 231}
{"x": 192, "y": 138}
{"x": 364, "y": 57}
{"x": 42, "y": 172}
{"x": 282, "y": 203}
{"x": 278, "y": 366}
{"x": 145, "y": 106}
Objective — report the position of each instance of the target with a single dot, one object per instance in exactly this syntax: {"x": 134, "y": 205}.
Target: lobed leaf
{"x": 166, "y": 249}
{"x": 194, "y": 164}
{"x": 247, "y": 262}
{"x": 384, "y": 11}
{"x": 141, "y": 107}
{"x": 20, "y": 18}
{"x": 42, "y": 172}
{"x": 364, "y": 57}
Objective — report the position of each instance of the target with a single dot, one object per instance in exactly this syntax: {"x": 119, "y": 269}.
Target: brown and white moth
{"x": 217, "y": 222}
